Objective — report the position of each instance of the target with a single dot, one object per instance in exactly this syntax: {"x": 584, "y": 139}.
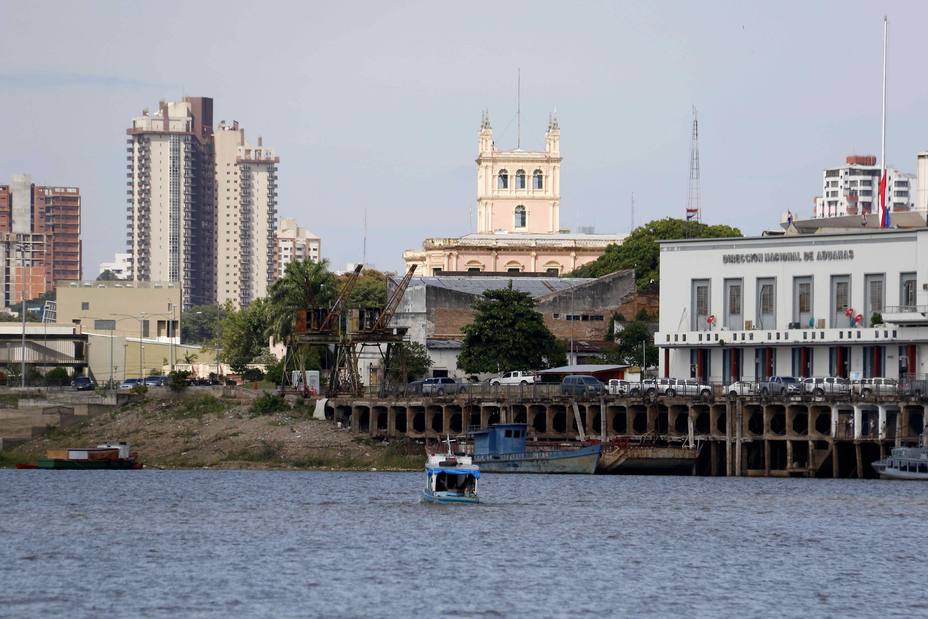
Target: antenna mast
{"x": 519, "y": 108}
{"x": 694, "y": 200}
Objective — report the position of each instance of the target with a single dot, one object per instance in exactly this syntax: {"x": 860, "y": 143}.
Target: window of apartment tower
{"x": 503, "y": 180}
{"x": 520, "y": 179}
{"x": 538, "y": 180}
{"x": 520, "y": 217}
{"x": 85, "y": 305}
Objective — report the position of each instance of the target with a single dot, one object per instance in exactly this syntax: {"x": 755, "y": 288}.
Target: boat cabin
{"x": 503, "y": 438}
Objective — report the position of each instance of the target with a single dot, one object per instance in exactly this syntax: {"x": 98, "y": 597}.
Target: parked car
{"x": 779, "y": 385}
{"x": 83, "y": 383}
{"x": 657, "y": 386}
{"x": 517, "y": 377}
{"x": 129, "y": 383}
{"x": 156, "y": 381}
{"x": 867, "y": 387}
{"x": 436, "y": 386}
{"x": 578, "y": 386}
{"x": 739, "y": 388}
{"x": 829, "y": 385}
{"x": 690, "y": 387}
{"x": 623, "y": 387}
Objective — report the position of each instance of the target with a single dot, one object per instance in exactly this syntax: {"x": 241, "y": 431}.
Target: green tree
{"x": 630, "y": 339}
{"x": 409, "y": 360}
{"x": 198, "y": 324}
{"x": 508, "y": 334}
{"x": 107, "y": 276}
{"x": 304, "y": 284}
{"x": 369, "y": 291}
{"x": 640, "y": 251}
{"x": 242, "y": 336}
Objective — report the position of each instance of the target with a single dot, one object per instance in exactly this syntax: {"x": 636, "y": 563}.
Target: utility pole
{"x": 22, "y": 292}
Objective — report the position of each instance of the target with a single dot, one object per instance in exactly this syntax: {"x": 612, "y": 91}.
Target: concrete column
{"x": 690, "y": 427}
{"x": 766, "y": 458}
{"x": 355, "y": 421}
{"x": 789, "y": 454}
{"x": 602, "y": 420}
{"x": 899, "y": 428}
{"x": 729, "y": 420}
{"x": 445, "y": 420}
{"x": 834, "y": 422}
{"x": 739, "y": 423}
{"x": 714, "y": 458}
{"x": 858, "y": 422}
{"x": 391, "y": 421}
{"x": 881, "y": 429}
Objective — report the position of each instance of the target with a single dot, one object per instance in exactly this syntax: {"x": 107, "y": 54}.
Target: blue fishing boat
{"x": 450, "y": 478}
{"x": 501, "y": 449}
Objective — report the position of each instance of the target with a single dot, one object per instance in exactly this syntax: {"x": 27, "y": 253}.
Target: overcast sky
{"x": 376, "y": 105}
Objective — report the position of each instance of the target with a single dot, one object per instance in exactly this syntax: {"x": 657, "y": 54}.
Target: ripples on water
{"x": 276, "y": 544}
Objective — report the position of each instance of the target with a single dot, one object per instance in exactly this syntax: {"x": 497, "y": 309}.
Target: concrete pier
{"x": 745, "y": 437}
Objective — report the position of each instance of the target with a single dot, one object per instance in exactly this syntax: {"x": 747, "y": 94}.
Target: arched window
{"x": 552, "y": 268}
{"x": 538, "y": 181}
{"x": 520, "y": 217}
{"x": 513, "y": 267}
{"x": 503, "y": 180}
{"x": 520, "y": 179}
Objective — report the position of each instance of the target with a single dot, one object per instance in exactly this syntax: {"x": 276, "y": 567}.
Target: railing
{"x": 905, "y": 309}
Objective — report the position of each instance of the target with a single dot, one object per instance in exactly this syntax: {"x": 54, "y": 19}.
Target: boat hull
{"x": 642, "y": 459}
{"x": 442, "y": 498}
{"x": 87, "y": 465}
{"x": 888, "y": 473}
{"x": 581, "y": 461}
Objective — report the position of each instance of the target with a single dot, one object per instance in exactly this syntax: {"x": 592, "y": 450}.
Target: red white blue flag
{"x": 884, "y": 209}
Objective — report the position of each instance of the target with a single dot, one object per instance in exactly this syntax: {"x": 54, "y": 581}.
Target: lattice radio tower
{"x": 694, "y": 200}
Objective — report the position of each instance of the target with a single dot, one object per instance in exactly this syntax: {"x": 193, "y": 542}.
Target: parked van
{"x": 578, "y": 386}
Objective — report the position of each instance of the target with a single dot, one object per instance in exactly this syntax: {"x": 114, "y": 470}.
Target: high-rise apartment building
{"x": 170, "y": 188}
{"x": 246, "y": 216}
{"x": 40, "y": 228}
{"x": 295, "y": 243}
{"x": 202, "y": 204}
{"x": 854, "y": 189}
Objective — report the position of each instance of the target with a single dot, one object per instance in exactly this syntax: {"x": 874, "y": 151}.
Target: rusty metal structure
{"x": 348, "y": 331}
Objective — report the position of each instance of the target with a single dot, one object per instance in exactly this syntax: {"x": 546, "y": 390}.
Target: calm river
{"x": 281, "y": 544}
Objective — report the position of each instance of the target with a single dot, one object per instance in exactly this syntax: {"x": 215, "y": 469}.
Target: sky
{"x": 374, "y": 107}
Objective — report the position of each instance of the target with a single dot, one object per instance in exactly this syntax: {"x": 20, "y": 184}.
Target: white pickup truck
{"x": 517, "y": 377}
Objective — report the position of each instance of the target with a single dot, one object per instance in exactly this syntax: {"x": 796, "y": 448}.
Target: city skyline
{"x": 378, "y": 109}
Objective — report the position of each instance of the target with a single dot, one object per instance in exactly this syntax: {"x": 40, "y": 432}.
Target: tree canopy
{"x": 508, "y": 334}
{"x": 200, "y": 323}
{"x": 630, "y": 338}
{"x": 410, "y": 360}
{"x": 640, "y": 251}
{"x": 107, "y": 276}
{"x": 369, "y": 291}
{"x": 304, "y": 284}
{"x": 242, "y": 334}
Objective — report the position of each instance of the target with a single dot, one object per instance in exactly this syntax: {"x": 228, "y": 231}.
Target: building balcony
{"x": 906, "y": 314}
{"x": 886, "y": 335}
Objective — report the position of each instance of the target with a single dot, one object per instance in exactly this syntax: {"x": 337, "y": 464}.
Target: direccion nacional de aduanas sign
{"x": 822, "y": 255}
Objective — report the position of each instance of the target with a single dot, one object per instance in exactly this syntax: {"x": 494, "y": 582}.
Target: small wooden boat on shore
{"x": 450, "y": 478}
{"x": 112, "y": 456}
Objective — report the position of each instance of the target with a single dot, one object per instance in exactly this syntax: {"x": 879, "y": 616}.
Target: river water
{"x": 280, "y": 544}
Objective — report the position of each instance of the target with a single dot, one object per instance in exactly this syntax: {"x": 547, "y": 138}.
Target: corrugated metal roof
{"x": 583, "y": 367}
{"x": 535, "y": 286}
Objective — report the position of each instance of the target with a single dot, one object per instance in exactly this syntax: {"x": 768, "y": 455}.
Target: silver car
{"x": 828, "y": 385}
{"x": 877, "y": 386}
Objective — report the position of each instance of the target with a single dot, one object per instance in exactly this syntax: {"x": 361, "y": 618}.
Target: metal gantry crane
{"x": 349, "y": 330}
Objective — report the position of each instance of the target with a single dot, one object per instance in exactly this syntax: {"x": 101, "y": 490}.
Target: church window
{"x": 520, "y": 179}
{"x": 503, "y": 180}
{"x": 520, "y": 217}
{"x": 538, "y": 180}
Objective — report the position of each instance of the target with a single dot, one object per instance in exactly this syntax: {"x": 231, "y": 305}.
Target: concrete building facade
{"x": 146, "y": 310}
{"x": 246, "y": 211}
{"x": 171, "y": 218}
{"x": 854, "y": 189}
{"x": 120, "y": 266}
{"x": 40, "y": 229}
{"x": 295, "y": 243}
{"x": 798, "y": 305}
{"x": 518, "y": 216}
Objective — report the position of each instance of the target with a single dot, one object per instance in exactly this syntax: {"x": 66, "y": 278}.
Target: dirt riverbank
{"x": 203, "y": 430}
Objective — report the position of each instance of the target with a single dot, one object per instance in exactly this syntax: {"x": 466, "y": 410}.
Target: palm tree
{"x": 305, "y": 284}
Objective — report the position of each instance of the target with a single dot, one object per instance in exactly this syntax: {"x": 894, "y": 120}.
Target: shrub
{"x": 252, "y": 375}
{"x": 57, "y": 377}
{"x": 876, "y": 319}
{"x": 275, "y": 372}
{"x": 139, "y": 389}
{"x": 268, "y": 403}
{"x": 177, "y": 380}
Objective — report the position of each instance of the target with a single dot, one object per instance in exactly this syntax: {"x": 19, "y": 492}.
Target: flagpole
{"x": 884, "y": 214}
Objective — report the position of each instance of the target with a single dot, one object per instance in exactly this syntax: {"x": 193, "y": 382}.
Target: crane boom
{"x": 390, "y": 308}
{"x": 342, "y": 298}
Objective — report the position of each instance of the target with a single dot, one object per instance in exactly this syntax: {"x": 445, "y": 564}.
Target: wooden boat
{"x": 450, "y": 478}
{"x": 501, "y": 448}
{"x": 113, "y": 456}
{"x": 623, "y": 456}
